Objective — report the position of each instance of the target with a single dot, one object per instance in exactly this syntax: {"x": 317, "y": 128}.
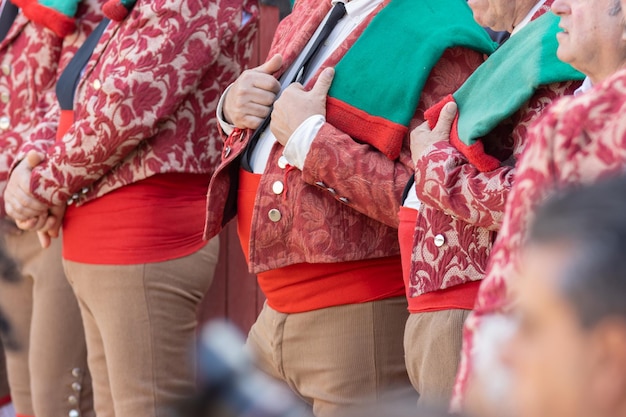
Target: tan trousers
{"x": 432, "y": 342}
{"x": 140, "y": 323}
{"x": 338, "y": 357}
{"x": 48, "y": 372}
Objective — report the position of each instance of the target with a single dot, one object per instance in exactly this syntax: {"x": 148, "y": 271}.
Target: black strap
{"x": 338, "y": 12}
{"x": 407, "y": 189}
{"x": 68, "y": 81}
{"x": 7, "y": 17}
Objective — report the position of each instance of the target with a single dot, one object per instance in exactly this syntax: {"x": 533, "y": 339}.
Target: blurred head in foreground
{"x": 568, "y": 356}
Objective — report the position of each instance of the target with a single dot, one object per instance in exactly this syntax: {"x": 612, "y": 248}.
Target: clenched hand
{"x": 249, "y": 100}
{"x": 295, "y": 105}
{"x": 423, "y": 137}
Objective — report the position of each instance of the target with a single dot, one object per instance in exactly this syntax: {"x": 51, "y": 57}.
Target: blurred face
{"x": 592, "y": 37}
{"x": 500, "y": 14}
{"x": 549, "y": 353}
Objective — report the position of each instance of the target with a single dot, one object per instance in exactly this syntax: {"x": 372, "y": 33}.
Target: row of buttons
{"x": 6, "y": 70}
{"x": 332, "y": 191}
{"x": 73, "y": 399}
{"x": 5, "y": 122}
{"x": 76, "y": 196}
{"x": 277, "y": 188}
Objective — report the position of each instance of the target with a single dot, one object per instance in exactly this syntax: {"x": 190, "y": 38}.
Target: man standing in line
{"x": 316, "y": 191}
{"x": 47, "y": 370}
{"x": 464, "y": 169}
{"x": 127, "y": 174}
{"x": 578, "y": 140}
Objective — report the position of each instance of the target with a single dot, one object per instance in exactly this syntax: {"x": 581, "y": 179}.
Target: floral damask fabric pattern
{"x": 464, "y": 205}
{"x": 462, "y": 208}
{"x": 43, "y": 128}
{"x": 577, "y": 141}
{"x": 28, "y": 60}
{"x": 344, "y": 205}
{"x": 146, "y": 102}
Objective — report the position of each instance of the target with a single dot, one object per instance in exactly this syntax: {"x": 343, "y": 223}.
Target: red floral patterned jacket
{"x": 28, "y": 67}
{"x": 344, "y": 205}
{"x": 464, "y": 206}
{"x": 146, "y": 102}
{"x": 578, "y": 140}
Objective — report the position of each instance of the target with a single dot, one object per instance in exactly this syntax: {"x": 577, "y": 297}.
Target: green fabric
{"x": 66, "y": 7}
{"x": 395, "y": 74}
{"x": 510, "y": 77}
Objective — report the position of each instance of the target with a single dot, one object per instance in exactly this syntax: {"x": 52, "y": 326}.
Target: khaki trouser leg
{"x": 338, "y": 357}
{"x": 47, "y": 374}
{"x": 432, "y": 342}
{"x": 140, "y": 323}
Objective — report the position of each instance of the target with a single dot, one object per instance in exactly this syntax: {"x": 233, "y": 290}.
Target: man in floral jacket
{"x": 316, "y": 192}
{"x": 464, "y": 169}
{"x": 578, "y": 140}
{"x": 133, "y": 155}
{"x": 48, "y": 369}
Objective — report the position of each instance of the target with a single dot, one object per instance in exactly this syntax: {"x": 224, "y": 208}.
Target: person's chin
{"x": 478, "y": 16}
{"x": 563, "y": 54}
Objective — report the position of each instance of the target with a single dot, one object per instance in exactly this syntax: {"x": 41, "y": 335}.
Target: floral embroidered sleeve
{"x": 150, "y": 65}
{"x": 445, "y": 179}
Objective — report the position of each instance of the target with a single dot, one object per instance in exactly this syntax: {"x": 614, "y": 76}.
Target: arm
{"x": 357, "y": 174}
{"x": 149, "y": 67}
{"x": 361, "y": 176}
{"x": 446, "y": 180}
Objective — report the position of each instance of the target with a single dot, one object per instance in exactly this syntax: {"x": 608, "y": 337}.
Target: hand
{"x": 52, "y": 226}
{"x": 249, "y": 100}
{"x": 19, "y": 203}
{"x": 295, "y": 105}
{"x": 422, "y": 137}
{"x": 34, "y": 223}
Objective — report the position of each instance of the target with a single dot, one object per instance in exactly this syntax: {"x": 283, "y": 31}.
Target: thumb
{"x": 34, "y": 158}
{"x": 446, "y": 118}
{"x": 323, "y": 82}
{"x": 272, "y": 65}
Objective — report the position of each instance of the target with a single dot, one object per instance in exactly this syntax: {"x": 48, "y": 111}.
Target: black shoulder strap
{"x": 68, "y": 81}
{"x": 7, "y": 17}
{"x": 407, "y": 189}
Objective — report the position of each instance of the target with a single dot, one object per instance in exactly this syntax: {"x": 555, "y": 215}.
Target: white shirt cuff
{"x": 300, "y": 141}
{"x": 227, "y": 128}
